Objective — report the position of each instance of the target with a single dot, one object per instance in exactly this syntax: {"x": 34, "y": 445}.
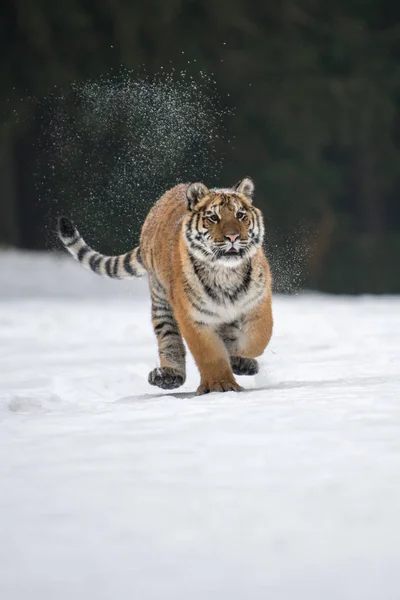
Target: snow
{"x": 112, "y": 489}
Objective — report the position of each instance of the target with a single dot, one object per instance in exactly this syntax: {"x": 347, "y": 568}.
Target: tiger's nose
{"x": 232, "y": 236}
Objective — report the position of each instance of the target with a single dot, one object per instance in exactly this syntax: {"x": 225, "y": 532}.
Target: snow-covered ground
{"x": 111, "y": 489}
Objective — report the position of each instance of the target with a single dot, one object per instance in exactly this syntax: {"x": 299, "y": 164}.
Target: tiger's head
{"x": 223, "y": 226}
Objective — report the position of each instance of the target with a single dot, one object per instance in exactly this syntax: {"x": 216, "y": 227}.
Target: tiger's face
{"x": 223, "y": 226}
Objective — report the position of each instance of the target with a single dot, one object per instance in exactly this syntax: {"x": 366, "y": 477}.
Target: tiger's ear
{"x": 195, "y": 192}
{"x": 245, "y": 187}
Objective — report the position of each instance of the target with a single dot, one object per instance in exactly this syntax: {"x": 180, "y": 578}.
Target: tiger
{"x": 209, "y": 278}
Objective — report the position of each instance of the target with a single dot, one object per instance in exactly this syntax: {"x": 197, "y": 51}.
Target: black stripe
{"x": 98, "y": 263}
{"x": 193, "y": 225}
{"x": 197, "y": 218}
{"x": 82, "y": 253}
{"x": 195, "y": 300}
{"x": 127, "y": 264}
{"x": 201, "y": 310}
{"x": 243, "y": 287}
{"x": 200, "y": 249}
{"x": 156, "y": 287}
{"x": 158, "y": 297}
{"x": 257, "y": 220}
{"x": 194, "y": 239}
{"x": 93, "y": 261}
{"x": 161, "y": 314}
{"x": 247, "y": 277}
{"x": 166, "y": 316}
{"x": 115, "y": 266}
{"x": 209, "y": 291}
{"x": 163, "y": 307}
{"x": 168, "y": 333}
{"x": 191, "y": 229}
{"x": 234, "y": 324}
{"x": 108, "y": 266}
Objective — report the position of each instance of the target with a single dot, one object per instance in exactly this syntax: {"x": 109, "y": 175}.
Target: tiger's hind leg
{"x": 172, "y": 372}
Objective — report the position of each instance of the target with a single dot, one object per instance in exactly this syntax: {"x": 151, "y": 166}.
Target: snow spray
{"x": 112, "y": 145}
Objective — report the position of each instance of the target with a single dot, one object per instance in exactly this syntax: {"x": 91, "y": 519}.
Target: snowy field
{"x": 111, "y": 489}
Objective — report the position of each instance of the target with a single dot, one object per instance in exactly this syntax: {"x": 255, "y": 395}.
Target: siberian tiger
{"x": 209, "y": 280}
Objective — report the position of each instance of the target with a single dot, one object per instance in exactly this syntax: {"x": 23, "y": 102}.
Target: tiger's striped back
{"x": 123, "y": 266}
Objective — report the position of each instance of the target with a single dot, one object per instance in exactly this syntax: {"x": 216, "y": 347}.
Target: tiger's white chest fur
{"x": 220, "y": 294}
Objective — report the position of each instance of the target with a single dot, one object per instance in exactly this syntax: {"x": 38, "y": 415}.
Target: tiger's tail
{"x": 123, "y": 266}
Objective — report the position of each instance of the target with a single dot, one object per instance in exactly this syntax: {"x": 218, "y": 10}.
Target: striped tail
{"x": 124, "y": 266}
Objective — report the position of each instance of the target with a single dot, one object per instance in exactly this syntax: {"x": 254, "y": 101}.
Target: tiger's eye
{"x": 240, "y": 215}
{"x": 213, "y": 218}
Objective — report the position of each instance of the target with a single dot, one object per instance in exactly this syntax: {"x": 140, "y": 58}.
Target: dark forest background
{"x": 315, "y": 88}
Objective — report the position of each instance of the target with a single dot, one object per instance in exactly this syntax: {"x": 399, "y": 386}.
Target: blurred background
{"x": 302, "y": 95}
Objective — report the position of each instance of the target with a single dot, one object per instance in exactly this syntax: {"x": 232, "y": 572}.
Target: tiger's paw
{"x": 244, "y": 366}
{"x": 166, "y": 378}
{"x": 218, "y": 386}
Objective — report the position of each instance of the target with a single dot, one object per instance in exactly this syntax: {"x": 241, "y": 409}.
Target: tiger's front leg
{"x": 248, "y": 337}
{"x": 233, "y": 335}
{"x": 210, "y": 354}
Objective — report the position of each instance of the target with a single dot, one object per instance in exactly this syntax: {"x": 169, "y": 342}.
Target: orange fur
{"x": 164, "y": 251}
